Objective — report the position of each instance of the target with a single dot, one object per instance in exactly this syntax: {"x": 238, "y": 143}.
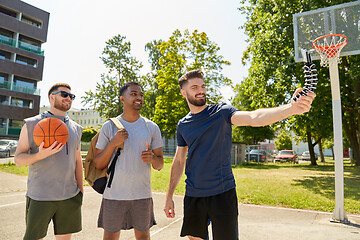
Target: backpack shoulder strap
{"x": 117, "y": 123}
{"x": 119, "y": 126}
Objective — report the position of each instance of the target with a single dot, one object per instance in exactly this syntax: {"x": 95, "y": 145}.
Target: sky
{"x": 78, "y": 30}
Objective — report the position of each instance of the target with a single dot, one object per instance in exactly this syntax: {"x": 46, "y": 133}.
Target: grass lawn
{"x": 283, "y": 184}
{"x": 12, "y": 168}
{"x": 295, "y": 186}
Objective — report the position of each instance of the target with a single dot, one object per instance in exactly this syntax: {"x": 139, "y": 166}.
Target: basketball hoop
{"x": 329, "y": 47}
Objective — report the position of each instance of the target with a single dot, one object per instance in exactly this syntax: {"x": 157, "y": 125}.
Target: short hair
{"x": 57, "y": 85}
{"x": 190, "y": 75}
{"x": 123, "y": 88}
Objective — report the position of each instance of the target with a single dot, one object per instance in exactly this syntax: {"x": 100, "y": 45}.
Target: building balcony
{"x": 30, "y": 48}
{"x": 7, "y": 41}
{"x": 33, "y": 91}
{"x": 21, "y": 45}
{"x": 7, "y": 85}
{"x": 14, "y": 131}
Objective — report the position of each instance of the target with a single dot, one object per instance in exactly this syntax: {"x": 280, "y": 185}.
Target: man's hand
{"x": 147, "y": 155}
{"x": 45, "y": 152}
{"x": 169, "y": 208}
{"x": 119, "y": 138}
{"x": 303, "y": 104}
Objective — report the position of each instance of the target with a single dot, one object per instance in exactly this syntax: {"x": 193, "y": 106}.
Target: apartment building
{"x": 84, "y": 117}
{"x": 23, "y": 29}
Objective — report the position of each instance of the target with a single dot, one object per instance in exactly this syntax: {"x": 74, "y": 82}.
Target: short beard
{"x": 197, "y": 102}
{"x": 59, "y": 106}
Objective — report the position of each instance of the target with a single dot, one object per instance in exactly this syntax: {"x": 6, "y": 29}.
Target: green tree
{"x": 149, "y": 80}
{"x": 274, "y": 75}
{"x": 283, "y": 141}
{"x": 247, "y": 134}
{"x": 122, "y": 68}
{"x": 88, "y": 133}
{"x": 180, "y": 53}
{"x": 252, "y": 135}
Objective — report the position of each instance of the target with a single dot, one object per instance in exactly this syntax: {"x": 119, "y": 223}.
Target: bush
{"x": 88, "y": 134}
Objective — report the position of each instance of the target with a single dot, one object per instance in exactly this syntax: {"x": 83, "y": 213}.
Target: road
{"x": 255, "y": 222}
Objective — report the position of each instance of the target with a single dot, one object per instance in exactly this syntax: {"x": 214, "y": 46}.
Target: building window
{"x": 31, "y": 21}
{"x": 24, "y": 85}
{"x": 5, "y": 55}
{"x": 23, "y": 82}
{"x": 14, "y": 127}
{"x": 26, "y": 61}
{"x": 18, "y": 102}
{"x": 6, "y": 37}
{"x": 29, "y": 44}
{"x": 4, "y": 100}
{"x": 7, "y": 12}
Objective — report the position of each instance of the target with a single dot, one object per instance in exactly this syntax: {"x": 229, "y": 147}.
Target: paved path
{"x": 255, "y": 222}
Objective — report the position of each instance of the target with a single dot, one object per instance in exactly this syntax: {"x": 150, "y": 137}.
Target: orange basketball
{"x": 50, "y": 130}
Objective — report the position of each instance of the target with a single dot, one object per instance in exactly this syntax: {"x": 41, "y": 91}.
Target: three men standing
{"x": 204, "y": 145}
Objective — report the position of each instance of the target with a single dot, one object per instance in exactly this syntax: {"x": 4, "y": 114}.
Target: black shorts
{"x": 221, "y": 210}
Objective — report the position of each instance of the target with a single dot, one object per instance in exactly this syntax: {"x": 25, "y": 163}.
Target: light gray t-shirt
{"x": 53, "y": 178}
{"x": 132, "y": 178}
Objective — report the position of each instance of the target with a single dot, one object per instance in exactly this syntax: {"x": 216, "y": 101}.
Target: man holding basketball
{"x": 204, "y": 146}
{"x": 128, "y": 202}
{"x": 55, "y": 180}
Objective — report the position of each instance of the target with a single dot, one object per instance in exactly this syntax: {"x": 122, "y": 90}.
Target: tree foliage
{"x": 180, "y": 53}
{"x": 122, "y": 68}
{"x": 88, "y": 133}
{"x": 283, "y": 141}
{"x": 247, "y": 134}
{"x": 274, "y": 75}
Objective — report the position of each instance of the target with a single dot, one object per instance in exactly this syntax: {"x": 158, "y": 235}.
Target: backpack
{"x": 95, "y": 177}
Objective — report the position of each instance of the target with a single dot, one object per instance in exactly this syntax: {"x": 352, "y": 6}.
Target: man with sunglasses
{"x": 55, "y": 180}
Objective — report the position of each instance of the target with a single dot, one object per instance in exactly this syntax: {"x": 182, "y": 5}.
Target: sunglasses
{"x": 65, "y": 94}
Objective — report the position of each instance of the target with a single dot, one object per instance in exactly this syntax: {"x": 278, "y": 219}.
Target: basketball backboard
{"x": 338, "y": 19}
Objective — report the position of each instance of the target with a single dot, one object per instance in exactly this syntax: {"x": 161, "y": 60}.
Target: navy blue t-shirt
{"x": 209, "y": 139}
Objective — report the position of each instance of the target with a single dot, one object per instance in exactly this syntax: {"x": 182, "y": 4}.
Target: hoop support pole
{"x": 339, "y": 214}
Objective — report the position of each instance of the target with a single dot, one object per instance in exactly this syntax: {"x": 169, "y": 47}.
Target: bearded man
{"x": 55, "y": 180}
{"x": 204, "y": 138}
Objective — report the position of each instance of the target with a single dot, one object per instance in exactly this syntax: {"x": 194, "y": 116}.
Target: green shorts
{"x": 65, "y": 214}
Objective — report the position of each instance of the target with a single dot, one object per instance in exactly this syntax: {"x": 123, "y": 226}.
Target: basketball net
{"x": 329, "y": 47}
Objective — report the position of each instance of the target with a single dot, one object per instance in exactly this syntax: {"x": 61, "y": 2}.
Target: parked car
{"x": 258, "y": 155}
{"x": 7, "y": 147}
{"x": 287, "y": 156}
{"x": 306, "y": 156}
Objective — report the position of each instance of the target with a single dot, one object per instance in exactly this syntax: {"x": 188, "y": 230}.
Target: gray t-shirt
{"x": 132, "y": 178}
{"x": 53, "y": 178}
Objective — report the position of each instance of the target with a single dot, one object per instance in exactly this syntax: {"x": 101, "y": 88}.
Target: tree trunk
{"x": 321, "y": 152}
{"x": 350, "y": 130}
{"x": 333, "y": 154}
{"x": 311, "y": 147}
